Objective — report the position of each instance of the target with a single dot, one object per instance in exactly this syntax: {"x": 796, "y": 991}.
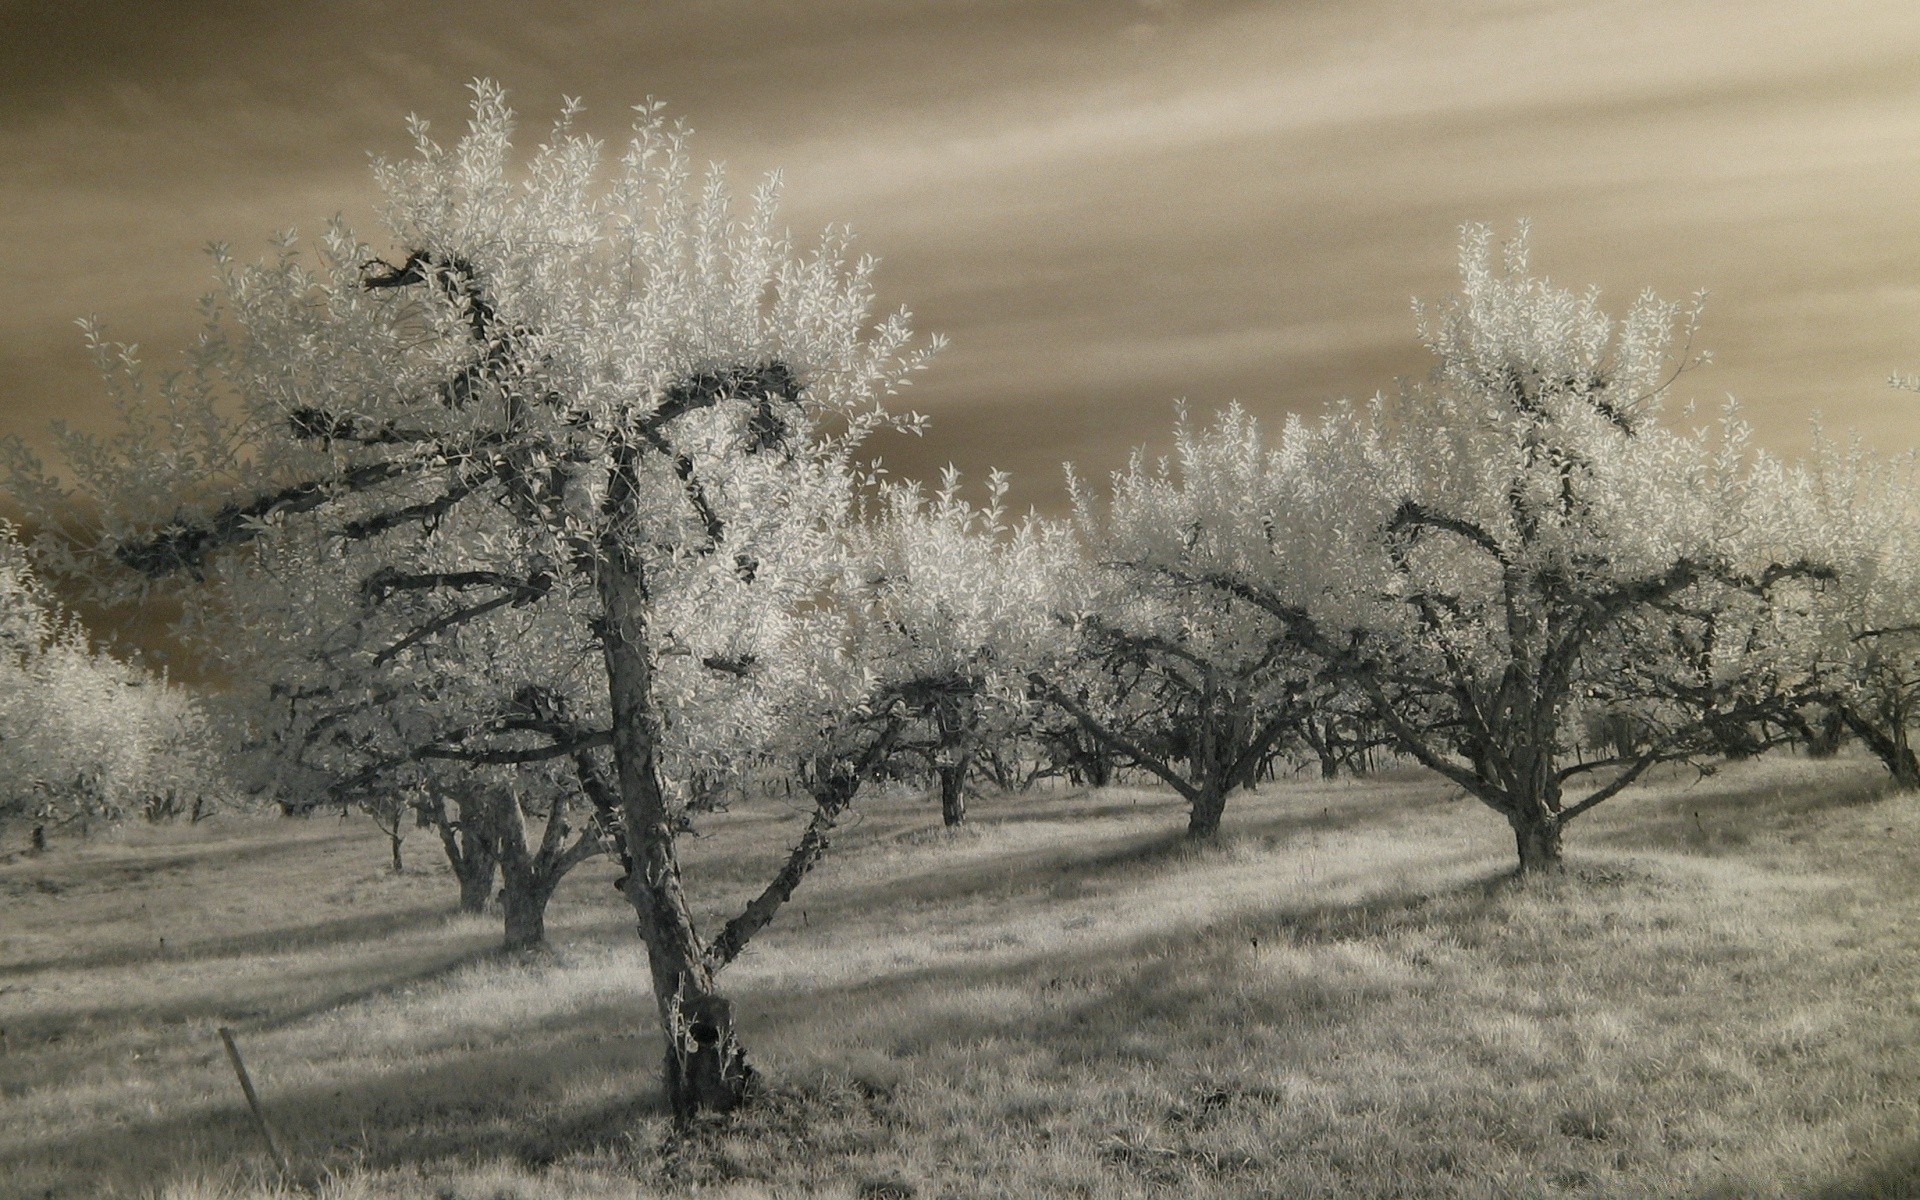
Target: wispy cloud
{"x": 1105, "y": 205}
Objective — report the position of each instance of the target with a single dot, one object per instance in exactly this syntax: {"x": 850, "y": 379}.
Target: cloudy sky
{"x": 1105, "y": 204}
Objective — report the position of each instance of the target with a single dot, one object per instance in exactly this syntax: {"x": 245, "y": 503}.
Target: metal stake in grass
{"x": 253, "y": 1101}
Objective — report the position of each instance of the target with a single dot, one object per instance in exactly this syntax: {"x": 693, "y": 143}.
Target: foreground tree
{"x": 1497, "y": 556}
{"x": 653, "y": 402}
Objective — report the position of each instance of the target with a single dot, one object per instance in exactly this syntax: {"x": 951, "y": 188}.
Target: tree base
{"x": 707, "y": 1069}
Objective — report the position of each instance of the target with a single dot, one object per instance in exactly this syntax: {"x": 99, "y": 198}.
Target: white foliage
{"x": 84, "y": 737}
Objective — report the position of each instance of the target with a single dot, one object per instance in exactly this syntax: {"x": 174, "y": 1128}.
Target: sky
{"x": 1105, "y": 205}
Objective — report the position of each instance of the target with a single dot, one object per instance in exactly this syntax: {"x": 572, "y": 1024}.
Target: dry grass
{"x": 1347, "y": 998}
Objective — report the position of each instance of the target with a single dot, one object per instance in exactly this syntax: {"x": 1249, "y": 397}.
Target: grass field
{"x": 1346, "y": 998}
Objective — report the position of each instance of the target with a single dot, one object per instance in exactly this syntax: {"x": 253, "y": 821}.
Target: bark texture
{"x": 706, "y": 1065}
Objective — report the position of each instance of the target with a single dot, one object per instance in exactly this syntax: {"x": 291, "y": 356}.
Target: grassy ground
{"x": 1346, "y": 998}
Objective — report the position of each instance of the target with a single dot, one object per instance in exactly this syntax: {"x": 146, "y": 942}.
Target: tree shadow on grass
{"x": 57, "y": 873}
{"x": 1121, "y": 858}
{"x": 311, "y": 936}
{"x": 1894, "y": 1176}
{"x": 511, "y": 1099}
{"x": 42, "y": 1050}
{"x": 1721, "y": 814}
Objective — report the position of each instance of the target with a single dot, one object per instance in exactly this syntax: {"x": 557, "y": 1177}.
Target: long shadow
{"x": 1716, "y": 814}
{"x": 1894, "y": 1176}
{"x": 499, "y": 1100}
{"x": 311, "y": 936}
{"x": 40, "y": 1050}
{"x": 56, "y": 874}
{"x": 1120, "y": 859}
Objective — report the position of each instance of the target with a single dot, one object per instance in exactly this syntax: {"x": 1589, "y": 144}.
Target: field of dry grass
{"x": 1346, "y": 998}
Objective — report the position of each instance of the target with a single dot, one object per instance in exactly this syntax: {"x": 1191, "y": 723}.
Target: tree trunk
{"x": 469, "y": 852}
{"x": 1826, "y": 735}
{"x": 476, "y": 882}
{"x": 1888, "y": 744}
{"x": 393, "y": 839}
{"x": 37, "y": 840}
{"x": 1902, "y": 764}
{"x": 953, "y": 791}
{"x": 1203, "y": 820}
{"x": 525, "y": 886}
{"x": 706, "y": 1068}
{"x": 525, "y": 903}
{"x": 1537, "y": 837}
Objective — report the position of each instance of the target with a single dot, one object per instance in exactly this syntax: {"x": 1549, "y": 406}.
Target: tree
{"x": 332, "y": 704}
{"x": 958, "y": 618}
{"x": 1863, "y": 510}
{"x": 85, "y": 738}
{"x": 1192, "y": 683}
{"x": 1498, "y": 555}
{"x": 643, "y": 407}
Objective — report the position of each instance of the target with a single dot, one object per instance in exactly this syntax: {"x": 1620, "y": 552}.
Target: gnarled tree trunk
{"x": 1536, "y": 836}
{"x": 1887, "y": 738}
{"x": 1535, "y": 812}
{"x": 706, "y": 1066}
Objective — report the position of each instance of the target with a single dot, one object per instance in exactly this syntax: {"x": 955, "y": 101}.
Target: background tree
{"x": 1484, "y": 555}
{"x": 1863, "y": 509}
{"x": 87, "y": 739}
{"x": 1191, "y": 683}
{"x": 959, "y": 618}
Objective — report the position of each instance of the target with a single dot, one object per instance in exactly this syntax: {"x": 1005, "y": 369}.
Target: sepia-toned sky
{"x": 1105, "y": 204}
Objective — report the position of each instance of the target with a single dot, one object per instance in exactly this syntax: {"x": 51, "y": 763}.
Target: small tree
{"x": 1864, "y": 511}
{"x": 85, "y": 738}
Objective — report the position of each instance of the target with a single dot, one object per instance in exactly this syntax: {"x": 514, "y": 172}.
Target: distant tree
{"x": 1191, "y": 683}
{"x": 642, "y": 407}
{"x": 1495, "y": 557}
{"x": 1863, "y": 509}
{"x": 332, "y": 704}
{"x": 85, "y": 738}
{"x": 958, "y": 618}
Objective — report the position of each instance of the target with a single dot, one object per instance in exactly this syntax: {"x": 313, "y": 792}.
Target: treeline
{"x": 549, "y": 523}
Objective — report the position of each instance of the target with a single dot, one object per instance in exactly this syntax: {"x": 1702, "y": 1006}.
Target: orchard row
{"x": 547, "y": 523}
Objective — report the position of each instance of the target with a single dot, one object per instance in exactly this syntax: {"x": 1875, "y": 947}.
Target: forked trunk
{"x": 527, "y": 879}
{"x": 526, "y": 915}
{"x": 706, "y": 1068}
{"x": 1535, "y": 811}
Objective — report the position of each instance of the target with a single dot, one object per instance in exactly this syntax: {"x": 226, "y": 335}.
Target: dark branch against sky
{"x": 1105, "y": 205}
